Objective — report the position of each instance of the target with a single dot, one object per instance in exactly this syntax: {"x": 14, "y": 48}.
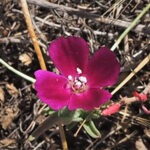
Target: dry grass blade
{"x": 127, "y": 137}
{"x": 124, "y": 8}
{"x": 137, "y": 69}
{"x": 108, "y": 135}
{"x": 114, "y": 6}
{"x": 143, "y": 121}
{"x": 139, "y": 120}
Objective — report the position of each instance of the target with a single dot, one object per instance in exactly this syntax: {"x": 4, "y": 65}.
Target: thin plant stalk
{"x": 26, "y": 77}
{"x": 40, "y": 57}
{"x": 131, "y": 26}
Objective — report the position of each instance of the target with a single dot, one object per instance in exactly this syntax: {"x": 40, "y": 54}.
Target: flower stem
{"x": 130, "y": 27}
{"x": 17, "y": 72}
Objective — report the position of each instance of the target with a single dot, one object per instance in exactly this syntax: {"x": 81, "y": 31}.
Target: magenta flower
{"x": 81, "y": 80}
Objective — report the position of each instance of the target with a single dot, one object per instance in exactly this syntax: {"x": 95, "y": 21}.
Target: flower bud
{"x": 111, "y": 109}
{"x": 141, "y": 97}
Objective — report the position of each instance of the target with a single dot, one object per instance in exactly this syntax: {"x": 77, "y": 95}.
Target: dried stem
{"x": 63, "y": 138}
{"x": 40, "y": 56}
{"x": 84, "y": 121}
{"x": 32, "y": 33}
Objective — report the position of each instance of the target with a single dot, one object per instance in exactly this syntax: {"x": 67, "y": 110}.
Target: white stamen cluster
{"x": 78, "y": 84}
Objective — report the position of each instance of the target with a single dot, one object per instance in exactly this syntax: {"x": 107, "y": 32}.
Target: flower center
{"x": 79, "y": 83}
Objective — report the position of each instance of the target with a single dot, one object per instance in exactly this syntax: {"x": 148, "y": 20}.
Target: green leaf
{"x": 105, "y": 105}
{"x": 66, "y": 116}
{"x": 48, "y": 111}
{"x": 91, "y": 129}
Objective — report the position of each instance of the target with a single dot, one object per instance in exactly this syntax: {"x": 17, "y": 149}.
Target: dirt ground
{"x": 19, "y": 105}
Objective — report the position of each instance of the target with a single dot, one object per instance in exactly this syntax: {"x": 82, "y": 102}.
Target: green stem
{"x": 130, "y": 27}
{"x": 17, "y": 72}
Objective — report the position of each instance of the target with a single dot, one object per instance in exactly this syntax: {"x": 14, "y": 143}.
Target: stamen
{"x": 79, "y": 71}
{"x": 83, "y": 79}
{"x": 70, "y": 78}
{"x": 78, "y": 83}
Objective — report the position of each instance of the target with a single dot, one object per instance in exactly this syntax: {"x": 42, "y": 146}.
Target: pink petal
{"x": 69, "y": 54}
{"x": 103, "y": 69}
{"x": 51, "y": 89}
{"x": 89, "y": 99}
